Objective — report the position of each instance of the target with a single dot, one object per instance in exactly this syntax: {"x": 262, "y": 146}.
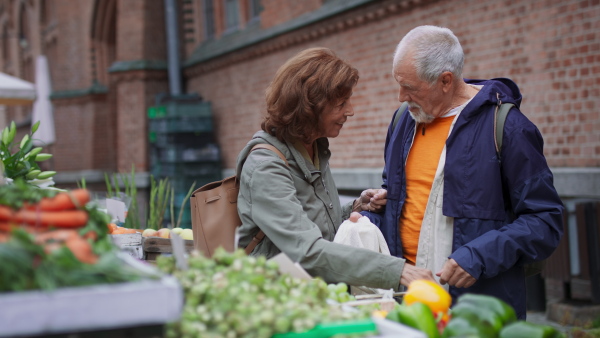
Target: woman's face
{"x": 334, "y": 117}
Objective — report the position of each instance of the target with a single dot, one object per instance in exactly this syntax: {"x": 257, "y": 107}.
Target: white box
{"x": 90, "y": 308}
{"x": 129, "y": 243}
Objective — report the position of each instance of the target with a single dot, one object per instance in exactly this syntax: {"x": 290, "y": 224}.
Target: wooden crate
{"x": 155, "y": 246}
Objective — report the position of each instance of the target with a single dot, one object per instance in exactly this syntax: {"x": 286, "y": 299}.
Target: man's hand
{"x": 371, "y": 200}
{"x": 454, "y": 275}
{"x": 411, "y": 273}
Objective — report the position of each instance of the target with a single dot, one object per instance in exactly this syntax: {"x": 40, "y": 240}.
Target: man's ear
{"x": 446, "y": 80}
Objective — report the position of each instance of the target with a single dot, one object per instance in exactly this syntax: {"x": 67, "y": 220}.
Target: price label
{"x": 178, "y": 247}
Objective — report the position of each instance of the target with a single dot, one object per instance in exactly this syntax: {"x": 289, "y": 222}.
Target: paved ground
{"x": 540, "y": 318}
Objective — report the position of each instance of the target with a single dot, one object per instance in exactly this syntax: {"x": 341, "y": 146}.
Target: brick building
{"x": 109, "y": 61}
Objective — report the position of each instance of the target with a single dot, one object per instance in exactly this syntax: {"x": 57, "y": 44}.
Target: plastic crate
{"x": 158, "y": 125}
{"x": 171, "y": 154}
{"x": 179, "y": 109}
{"x": 163, "y": 139}
{"x": 157, "y": 112}
{"x": 189, "y": 124}
{"x": 190, "y": 170}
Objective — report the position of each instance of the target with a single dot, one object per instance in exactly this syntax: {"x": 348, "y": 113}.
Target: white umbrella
{"x": 14, "y": 91}
{"x": 42, "y": 108}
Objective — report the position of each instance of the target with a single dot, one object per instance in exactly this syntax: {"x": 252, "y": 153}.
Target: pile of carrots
{"x": 54, "y": 222}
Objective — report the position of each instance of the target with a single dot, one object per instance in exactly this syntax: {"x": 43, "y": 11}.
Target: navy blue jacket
{"x": 506, "y": 213}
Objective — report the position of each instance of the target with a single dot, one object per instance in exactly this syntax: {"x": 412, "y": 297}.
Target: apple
{"x": 149, "y": 233}
{"x": 164, "y": 233}
{"x": 187, "y": 234}
{"x": 177, "y": 230}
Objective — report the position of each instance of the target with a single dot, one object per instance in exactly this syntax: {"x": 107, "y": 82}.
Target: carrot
{"x": 6, "y": 213}
{"x": 62, "y": 201}
{"x": 59, "y": 219}
{"x": 7, "y": 227}
{"x": 60, "y": 235}
{"x": 82, "y": 249}
{"x": 92, "y": 235}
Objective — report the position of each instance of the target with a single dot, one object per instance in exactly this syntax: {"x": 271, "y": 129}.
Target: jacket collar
{"x": 294, "y": 157}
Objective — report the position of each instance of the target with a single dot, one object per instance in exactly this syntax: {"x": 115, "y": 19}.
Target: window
{"x": 254, "y": 10}
{"x": 209, "y": 19}
{"x": 231, "y": 15}
{"x": 5, "y": 41}
{"x": 23, "y": 28}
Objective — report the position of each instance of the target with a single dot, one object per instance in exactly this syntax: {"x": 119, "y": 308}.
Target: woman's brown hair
{"x": 301, "y": 90}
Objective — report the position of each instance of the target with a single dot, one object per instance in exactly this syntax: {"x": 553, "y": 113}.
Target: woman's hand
{"x": 371, "y": 200}
{"x": 411, "y": 273}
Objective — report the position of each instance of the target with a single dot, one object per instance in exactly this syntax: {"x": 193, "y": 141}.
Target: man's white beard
{"x": 420, "y": 116}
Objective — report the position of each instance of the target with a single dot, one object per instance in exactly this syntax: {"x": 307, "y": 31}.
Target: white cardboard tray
{"x": 129, "y": 243}
{"x": 98, "y": 307}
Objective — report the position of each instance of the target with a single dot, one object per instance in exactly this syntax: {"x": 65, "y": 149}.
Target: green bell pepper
{"x": 502, "y": 309}
{"x": 523, "y": 329}
{"x": 477, "y": 314}
{"x": 468, "y": 328}
{"x": 418, "y": 316}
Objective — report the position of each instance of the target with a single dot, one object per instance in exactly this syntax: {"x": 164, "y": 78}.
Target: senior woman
{"x": 296, "y": 205}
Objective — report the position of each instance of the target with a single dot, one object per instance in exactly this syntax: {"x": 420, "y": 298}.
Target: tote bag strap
{"x": 260, "y": 235}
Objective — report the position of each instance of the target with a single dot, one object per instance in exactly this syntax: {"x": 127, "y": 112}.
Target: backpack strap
{"x": 500, "y": 114}
{"x": 400, "y": 112}
{"x": 260, "y": 235}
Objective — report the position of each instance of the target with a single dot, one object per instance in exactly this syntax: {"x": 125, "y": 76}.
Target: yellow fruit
{"x": 429, "y": 293}
{"x": 187, "y": 234}
{"x": 379, "y": 313}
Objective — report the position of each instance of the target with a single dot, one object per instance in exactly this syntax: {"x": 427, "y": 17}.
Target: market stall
{"x": 68, "y": 270}
{"x": 14, "y": 91}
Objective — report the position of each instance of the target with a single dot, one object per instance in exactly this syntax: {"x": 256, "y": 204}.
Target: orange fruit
{"x": 118, "y": 231}
{"x": 111, "y": 227}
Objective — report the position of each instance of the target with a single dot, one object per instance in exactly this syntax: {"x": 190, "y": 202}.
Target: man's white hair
{"x": 434, "y": 50}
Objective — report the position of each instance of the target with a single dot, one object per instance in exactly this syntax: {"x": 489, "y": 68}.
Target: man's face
{"x": 421, "y": 97}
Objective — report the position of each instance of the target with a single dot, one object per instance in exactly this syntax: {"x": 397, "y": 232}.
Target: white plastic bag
{"x": 366, "y": 235}
{"x": 362, "y": 234}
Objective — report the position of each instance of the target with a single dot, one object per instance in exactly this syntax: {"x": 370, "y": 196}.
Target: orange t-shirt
{"x": 421, "y": 166}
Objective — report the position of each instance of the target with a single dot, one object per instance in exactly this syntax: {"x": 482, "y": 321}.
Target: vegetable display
{"x": 426, "y": 307}
{"x": 22, "y": 164}
{"x": 51, "y": 239}
{"x": 418, "y": 316}
{"x": 234, "y": 295}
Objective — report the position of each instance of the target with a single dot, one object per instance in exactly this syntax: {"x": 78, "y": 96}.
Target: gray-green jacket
{"x": 298, "y": 209}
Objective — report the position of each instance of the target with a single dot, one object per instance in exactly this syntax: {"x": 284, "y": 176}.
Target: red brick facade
{"x": 108, "y": 63}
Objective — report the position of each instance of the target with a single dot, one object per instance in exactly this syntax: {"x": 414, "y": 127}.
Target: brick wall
{"x": 276, "y": 12}
{"x": 141, "y": 30}
{"x": 551, "y": 49}
{"x": 74, "y": 121}
{"x": 70, "y": 66}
